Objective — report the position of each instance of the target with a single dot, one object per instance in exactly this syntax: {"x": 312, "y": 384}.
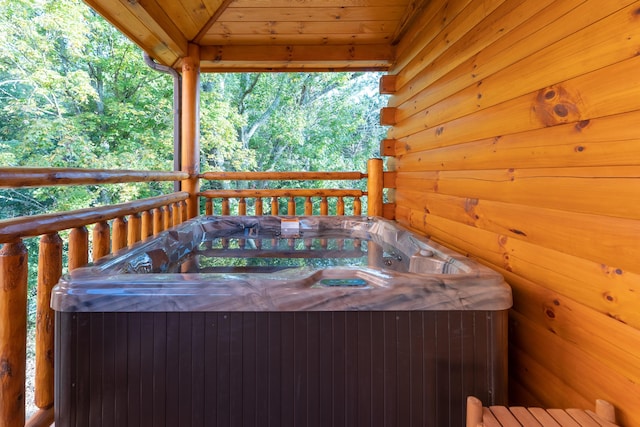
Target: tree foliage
{"x": 74, "y": 92}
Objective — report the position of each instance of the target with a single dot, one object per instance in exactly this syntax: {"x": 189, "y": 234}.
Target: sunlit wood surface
{"x": 236, "y": 35}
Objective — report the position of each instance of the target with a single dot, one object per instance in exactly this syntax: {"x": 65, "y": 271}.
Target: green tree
{"x": 299, "y": 121}
{"x": 74, "y": 92}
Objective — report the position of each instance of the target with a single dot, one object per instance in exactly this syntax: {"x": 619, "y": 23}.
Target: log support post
{"x": 190, "y": 127}
{"x": 375, "y": 183}
{"x": 13, "y": 333}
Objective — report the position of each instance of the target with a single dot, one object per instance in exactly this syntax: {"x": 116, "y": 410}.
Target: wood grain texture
{"x": 49, "y": 272}
{"x": 13, "y": 332}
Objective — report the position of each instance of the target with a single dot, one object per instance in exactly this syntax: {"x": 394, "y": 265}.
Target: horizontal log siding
{"x": 516, "y": 142}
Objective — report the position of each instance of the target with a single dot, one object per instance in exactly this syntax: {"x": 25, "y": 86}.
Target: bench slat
{"x": 544, "y": 417}
{"x": 524, "y": 416}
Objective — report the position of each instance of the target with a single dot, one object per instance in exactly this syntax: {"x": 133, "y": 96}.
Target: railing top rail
{"x": 19, "y": 177}
{"x": 299, "y": 192}
{"x": 37, "y": 225}
{"x": 277, "y": 176}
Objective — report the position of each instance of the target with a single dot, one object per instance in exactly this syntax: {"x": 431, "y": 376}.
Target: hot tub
{"x": 268, "y": 321}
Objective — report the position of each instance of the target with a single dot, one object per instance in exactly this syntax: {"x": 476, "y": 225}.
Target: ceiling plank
{"x": 310, "y": 13}
{"x": 301, "y": 40}
{"x": 179, "y": 11}
{"x": 298, "y": 27}
{"x": 219, "y": 11}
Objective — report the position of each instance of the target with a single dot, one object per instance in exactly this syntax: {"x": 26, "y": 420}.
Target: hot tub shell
{"x": 138, "y": 345}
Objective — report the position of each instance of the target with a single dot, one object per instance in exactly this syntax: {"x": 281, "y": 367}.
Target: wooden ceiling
{"x": 266, "y": 35}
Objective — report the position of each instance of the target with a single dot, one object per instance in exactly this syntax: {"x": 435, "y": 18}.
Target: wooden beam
{"x": 288, "y": 57}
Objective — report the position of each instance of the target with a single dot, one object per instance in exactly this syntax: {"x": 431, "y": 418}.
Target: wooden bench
{"x": 502, "y": 416}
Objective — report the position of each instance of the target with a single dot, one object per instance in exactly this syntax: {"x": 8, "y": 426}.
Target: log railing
{"x": 217, "y": 201}
{"x": 114, "y": 227}
{"x": 274, "y": 195}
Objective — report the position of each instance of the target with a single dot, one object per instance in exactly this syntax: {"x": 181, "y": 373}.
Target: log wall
{"x": 514, "y": 137}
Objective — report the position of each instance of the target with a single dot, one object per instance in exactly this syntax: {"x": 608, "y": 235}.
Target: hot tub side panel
{"x": 277, "y": 369}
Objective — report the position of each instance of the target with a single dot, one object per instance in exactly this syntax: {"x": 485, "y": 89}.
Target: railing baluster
{"x": 146, "y": 224}
{"x": 78, "y": 252}
{"x": 176, "y": 214}
{"x": 167, "y": 217}
{"x": 225, "y": 206}
{"x": 357, "y": 206}
{"x": 274, "y": 206}
{"x": 180, "y": 213}
{"x": 208, "y": 206}
{"x": 324, "y": 206}
{"x": 308, "y": 206}
{"x": 49, "y": 272}
{"x": 158, "y": 222}
{"x": 119, "y": 234}
{"x": 101, "y": 242}
{"x": 291, "y": 206}
{"x": 259, "y": 206}
{"x": 242, "y": 206}
{"x": 340, "y": 206}
{"x": 184, "y": 212}
{"x": 13, "y": 332}
{"x": 134, "y": 232}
